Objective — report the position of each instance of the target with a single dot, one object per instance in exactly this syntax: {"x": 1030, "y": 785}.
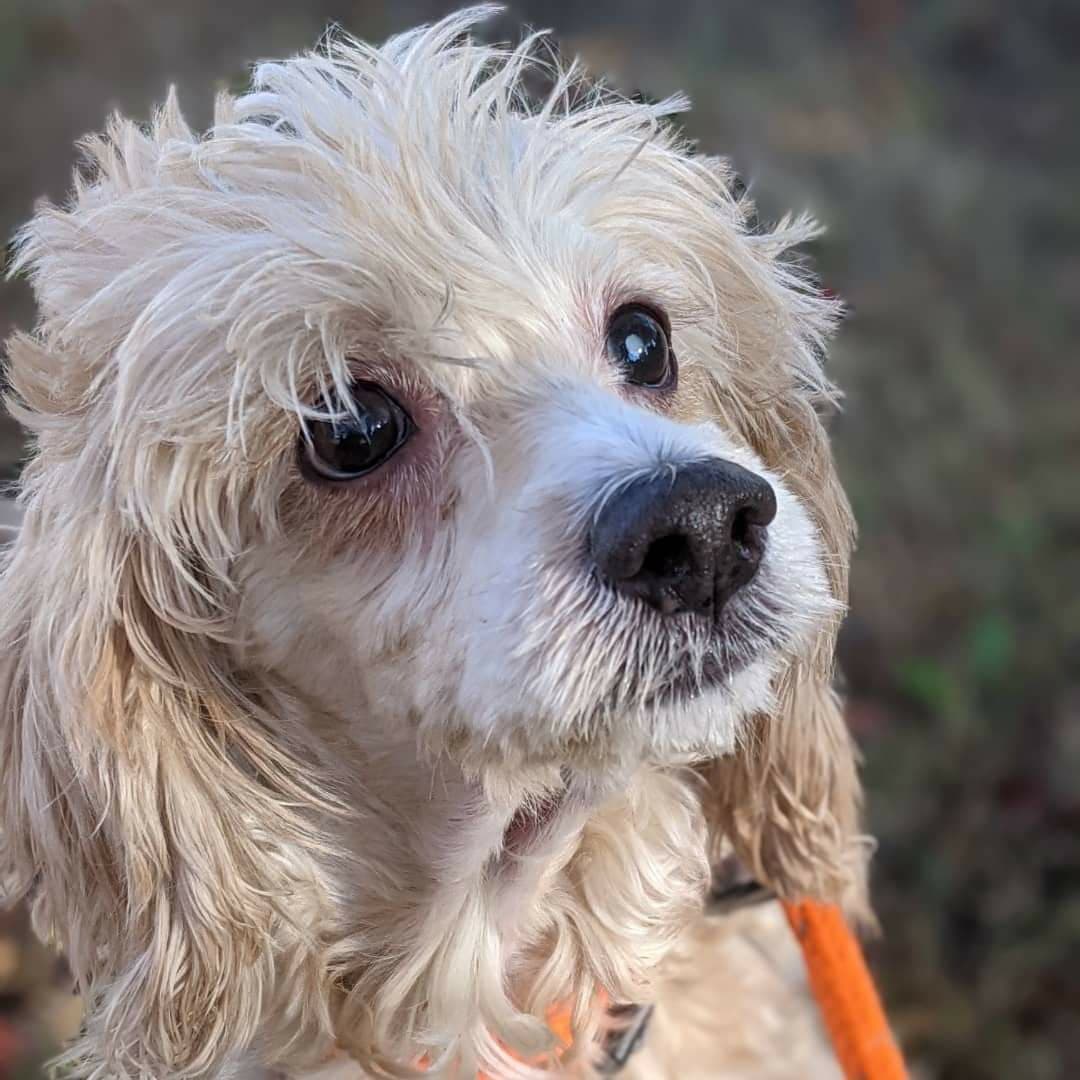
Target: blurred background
{"x": 940, "y": 143}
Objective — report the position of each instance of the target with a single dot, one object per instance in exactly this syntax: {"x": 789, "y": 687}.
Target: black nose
{"x": 686, "y": 539}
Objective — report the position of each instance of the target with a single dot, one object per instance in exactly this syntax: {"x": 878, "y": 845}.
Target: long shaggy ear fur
{"x": 131, "y": 775}
{"x": 790, "y": 800}
{"x": 154, "y": 822}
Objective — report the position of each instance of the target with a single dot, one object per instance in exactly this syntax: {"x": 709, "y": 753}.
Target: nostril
{"x": 671, "y": 577}
{"x": 668, "y": 558}
{"x": 740, "y": 528}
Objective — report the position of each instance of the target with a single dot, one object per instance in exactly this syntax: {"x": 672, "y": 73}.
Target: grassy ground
{"x": 933, "y": 141}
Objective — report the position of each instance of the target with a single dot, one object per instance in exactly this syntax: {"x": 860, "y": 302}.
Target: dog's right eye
{"x": 355, "y": 444}
{"x": 637, "y": 341}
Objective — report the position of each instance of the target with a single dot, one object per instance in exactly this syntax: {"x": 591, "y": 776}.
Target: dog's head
{"x": 403, "y": 435}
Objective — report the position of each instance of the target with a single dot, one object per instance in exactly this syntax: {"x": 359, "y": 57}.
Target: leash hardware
{"x": 729, "y": 898}
{"x": 622, "y": 1042}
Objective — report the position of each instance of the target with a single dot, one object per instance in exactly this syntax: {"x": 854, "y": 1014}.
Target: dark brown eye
{"x": 638, "y": 343}
{"x": 356, "y": 443}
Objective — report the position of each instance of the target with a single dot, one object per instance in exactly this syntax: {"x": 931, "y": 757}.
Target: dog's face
{"x": 553, "y": 557}
{"x": 411, "y": 455}
{"x": 515, "y": 518}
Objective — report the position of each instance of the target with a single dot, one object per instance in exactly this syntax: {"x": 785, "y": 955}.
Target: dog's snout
{"x": 687, "y": 539}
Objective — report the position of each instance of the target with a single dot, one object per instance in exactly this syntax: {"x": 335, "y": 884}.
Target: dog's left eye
{"x": 638, "y": 343}
{"x": 343, "y": 449}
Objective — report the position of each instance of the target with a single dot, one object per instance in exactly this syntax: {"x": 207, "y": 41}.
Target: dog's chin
{"x": 692, "y": 717}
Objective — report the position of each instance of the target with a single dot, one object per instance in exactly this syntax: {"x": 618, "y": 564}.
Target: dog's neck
{"x": 441, "y": 888}
{"x": 455, "y": 908}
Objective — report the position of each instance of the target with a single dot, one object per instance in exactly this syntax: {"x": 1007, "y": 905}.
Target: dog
{"x": 431, "y": 565}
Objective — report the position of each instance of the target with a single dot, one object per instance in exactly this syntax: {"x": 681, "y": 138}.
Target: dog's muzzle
{"x": 685, "y": 539}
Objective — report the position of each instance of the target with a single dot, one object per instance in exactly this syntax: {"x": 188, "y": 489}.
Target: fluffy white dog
{"x": 432, "y": 559}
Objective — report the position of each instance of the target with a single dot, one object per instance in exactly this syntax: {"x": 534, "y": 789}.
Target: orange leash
{"x": 845, "y": 993}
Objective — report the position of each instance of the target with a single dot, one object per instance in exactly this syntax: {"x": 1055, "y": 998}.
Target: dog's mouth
{"x": 687, "y": 682}
{"x": 701, "y": 656}
{"x": 533, "y": 820}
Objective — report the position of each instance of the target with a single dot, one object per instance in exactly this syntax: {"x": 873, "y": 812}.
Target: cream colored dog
{"x": 432, "y": 560}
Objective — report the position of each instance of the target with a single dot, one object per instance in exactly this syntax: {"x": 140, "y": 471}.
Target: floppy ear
{"x": 153, "y": 797}
{"x": 145, "y": 809}
{"x": 789, "y": 799}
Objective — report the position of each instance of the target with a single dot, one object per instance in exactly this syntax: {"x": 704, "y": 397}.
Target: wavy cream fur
{"x": 261, "y": 741}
